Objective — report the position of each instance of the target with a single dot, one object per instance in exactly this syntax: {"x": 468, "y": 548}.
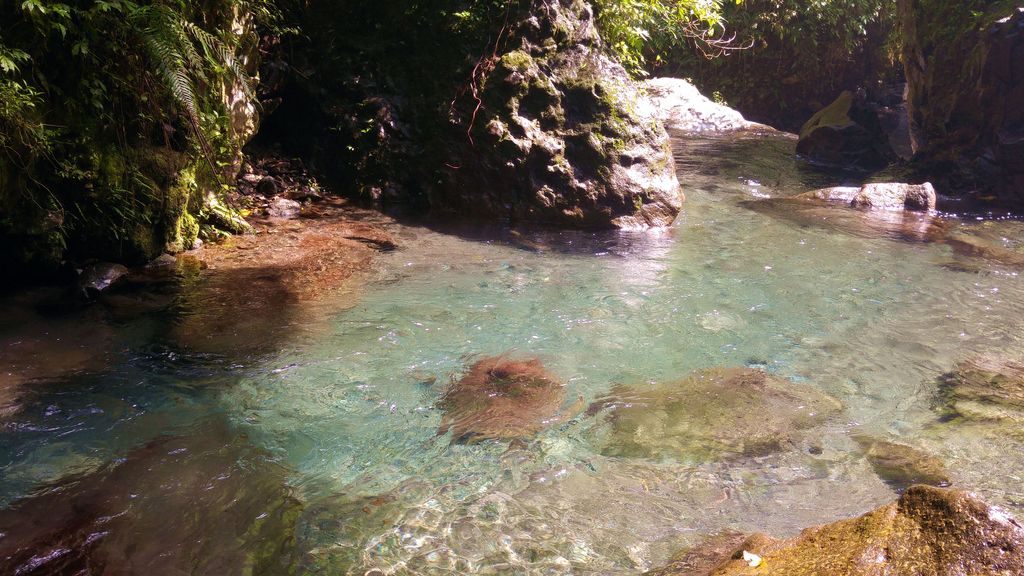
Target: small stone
{"x": 267, "y": 186}
{"x": 280, "y": 207}
{"x": 162, "y": 261}
{"x": 100, "y": 277}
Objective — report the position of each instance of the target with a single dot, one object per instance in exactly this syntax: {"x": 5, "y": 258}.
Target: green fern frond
{"x": 181, "y": 52}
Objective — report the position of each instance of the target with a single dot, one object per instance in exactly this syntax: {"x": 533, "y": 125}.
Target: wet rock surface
{"x": 680, "y": 106}
{"x": 502, "y": 397}
{"x": 927, "y": 532}
{"x": 878, "y": 196}
{"x": 713, "y": 414}
{"x": 177, "y": 505}
{"x": 902, "y": 466}
{"x": 846, "y": 134}
{"x": 986, "y": 389}
{"x": 100, "y": 277}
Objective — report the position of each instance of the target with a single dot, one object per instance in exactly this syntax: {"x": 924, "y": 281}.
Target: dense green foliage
{"x": 112, "y": 122}
{"x": 795, "y": 56}
{"x": 643, "y": 32}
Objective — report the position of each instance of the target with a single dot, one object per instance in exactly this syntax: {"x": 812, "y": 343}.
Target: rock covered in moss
{"x": 846, "y": 133}
{"x": 985, "y": 388}
{"x": 902, "y": 466}
{"x": 713, "y": 414}
{"x": 560, "y": 136}
{"x": 501, "y": 397}
{"x": 928, "y": 532}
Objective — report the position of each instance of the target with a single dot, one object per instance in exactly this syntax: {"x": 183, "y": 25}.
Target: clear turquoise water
{"x": 346, "y": 402}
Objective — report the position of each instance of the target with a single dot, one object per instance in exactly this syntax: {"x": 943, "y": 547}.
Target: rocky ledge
{"x": 680, "y": 106}
{"x": 927, "y": 532}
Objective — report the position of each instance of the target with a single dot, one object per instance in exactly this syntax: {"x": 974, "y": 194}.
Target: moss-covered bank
{"x": 120, "y": 124}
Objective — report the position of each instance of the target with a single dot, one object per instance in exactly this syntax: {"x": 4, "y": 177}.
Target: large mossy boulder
{"x": 845, "y": 134}
{"x": 964, "y": 64}
{"x": 714, "y": 414}
{"x": 927, "y": 532}
{"x": 986, "y": 389}
{"x": 561, "y": 136}
{"x": 501, "y": 397}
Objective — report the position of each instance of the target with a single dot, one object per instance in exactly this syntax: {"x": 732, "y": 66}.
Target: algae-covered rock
{"x": 928, "y": 532}
{"x": 715, "y": 413}
{"x": 846, "y": 134}
{"x": 560, "y": 134}
{"x": 985, "y": 388}
{"x": 502, "y": 398}
{"x": 902, "y": 466}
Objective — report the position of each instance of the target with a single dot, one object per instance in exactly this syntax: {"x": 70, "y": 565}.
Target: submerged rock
{"x": 715, "y": 413}
{"x": 503, "y": 398}
{"x": 902, "y": 466}
{"x": 985, "y": 388}
{"x": 100, "y": 277}
{"x": 878, "y": 196}
{"x": 845, "y": 134}
{"x": 680, "y": 106}
{"x": 928, "y": 532}
{"x": 206, "y": 504}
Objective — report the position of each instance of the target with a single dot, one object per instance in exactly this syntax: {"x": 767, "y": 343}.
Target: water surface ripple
{"x": 348, "y": 409}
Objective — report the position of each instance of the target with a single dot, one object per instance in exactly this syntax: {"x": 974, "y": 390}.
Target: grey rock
{"x": 267, "y": 186}
{"x": 100, "y": 277}
{"x": 878, "y": 196}
{"x": 280, "y": 207}
{"x": 563, "y": 136}
{"x": 680, "y": 106}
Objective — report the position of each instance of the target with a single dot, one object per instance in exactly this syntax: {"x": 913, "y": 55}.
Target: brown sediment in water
{"x": 285, "y": 275}
{"x": 36, "y": 348}
{"x": 503, "y": 397}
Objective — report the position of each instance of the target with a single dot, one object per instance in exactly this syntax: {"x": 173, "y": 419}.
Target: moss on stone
{"x": 517, "y": 60}
{"x": 835, "y": 114}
